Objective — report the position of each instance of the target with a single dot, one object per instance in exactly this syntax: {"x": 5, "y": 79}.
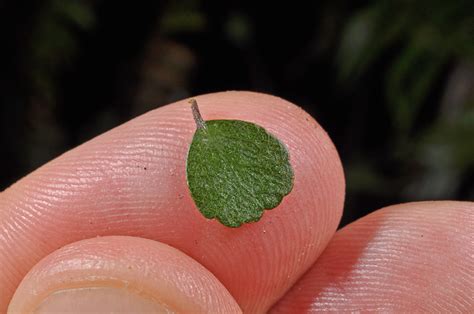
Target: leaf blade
{"x": 236, "y": 170}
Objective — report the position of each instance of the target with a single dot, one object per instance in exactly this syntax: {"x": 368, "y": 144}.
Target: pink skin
{"x": 408, "y": 258}
{"x": 131, "y": 181}
{"x": 146, "y": 268}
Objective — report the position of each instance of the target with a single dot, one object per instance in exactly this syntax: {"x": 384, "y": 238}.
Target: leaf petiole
{"x": 200, "y": 123}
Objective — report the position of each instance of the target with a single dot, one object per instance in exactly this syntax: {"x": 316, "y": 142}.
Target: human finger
{"x": 120, "y": 274}
{"x": 131, "y": 181}
{"x": 414, "y": 257}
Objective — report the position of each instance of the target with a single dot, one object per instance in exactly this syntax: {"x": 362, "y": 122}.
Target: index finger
{"x": 131, "y": 181}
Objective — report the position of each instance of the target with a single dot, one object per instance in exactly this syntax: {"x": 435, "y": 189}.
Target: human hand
{"x": 96, "y": 219}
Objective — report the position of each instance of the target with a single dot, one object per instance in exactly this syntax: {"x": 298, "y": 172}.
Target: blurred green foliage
{"x": 51, "y": 49}
{"x": 429, "y": 34}
{"x": 402, "y": 92}
{"x": 427, "y": 37}
{"x": 53, "y": 42}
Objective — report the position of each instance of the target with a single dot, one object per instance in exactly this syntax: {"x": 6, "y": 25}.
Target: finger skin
{"x": 408, "y": 258}
{"x": 131, "y": 181}
{"x": 138, "y": 266}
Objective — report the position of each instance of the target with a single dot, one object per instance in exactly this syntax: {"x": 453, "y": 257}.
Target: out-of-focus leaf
{"x": 53, "y": 43}
{"x": 430, "y": 32}
{"x": 238, "y": 29}
{"x": 366, "y": 36}
{"x": 457, "y": 136}
{"x": 182, "y": 16}
{"x": 409, "y": 82}
{"x": 78, "y": 12}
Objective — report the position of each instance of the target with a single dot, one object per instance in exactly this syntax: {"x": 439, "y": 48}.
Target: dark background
{"x": 392, "y": 82}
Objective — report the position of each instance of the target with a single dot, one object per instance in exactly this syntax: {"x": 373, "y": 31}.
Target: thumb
{"x": 120, "y": 274}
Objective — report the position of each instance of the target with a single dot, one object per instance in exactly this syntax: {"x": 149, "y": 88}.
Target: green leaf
{"x": 235, "y": 170}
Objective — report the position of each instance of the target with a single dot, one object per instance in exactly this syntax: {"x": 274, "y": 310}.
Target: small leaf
{"x": 235, "y": 170}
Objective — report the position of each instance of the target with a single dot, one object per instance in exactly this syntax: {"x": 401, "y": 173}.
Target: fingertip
{"x": 123, "y": 274}
{"x": 131, "y": 181}
{"x": 287, "y": 239}
{"x": 413, "y": 257}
